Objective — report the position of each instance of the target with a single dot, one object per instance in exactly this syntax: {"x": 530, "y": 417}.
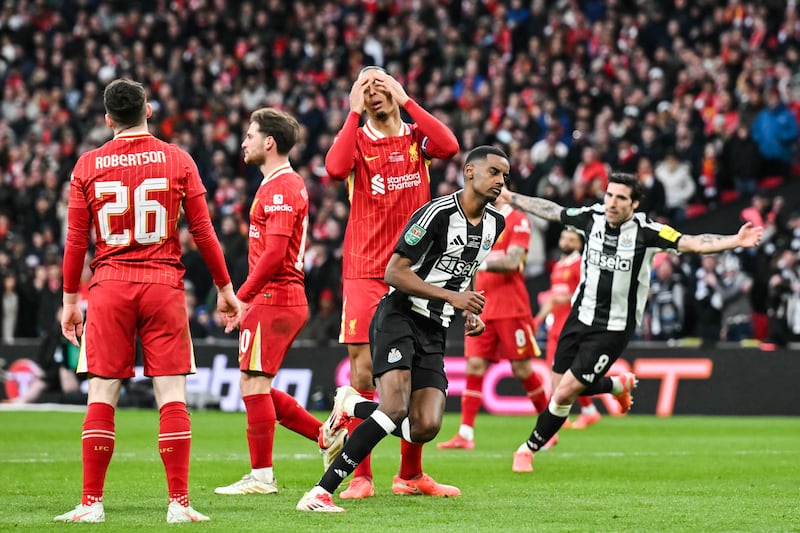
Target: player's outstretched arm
{"x": 748, "y": 236}
{"x": 400, "y": 276}
{"x": 536, "y": 206}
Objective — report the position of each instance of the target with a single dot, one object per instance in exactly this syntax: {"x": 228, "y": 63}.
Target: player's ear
{"x": 109, "y": 122}
{"x": 469, "y": 170}
{"x": 148, "y": 110}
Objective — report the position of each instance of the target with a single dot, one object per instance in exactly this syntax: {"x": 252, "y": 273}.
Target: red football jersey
{"x": 280, "y": 207}
{"x": 134, "y": 186}
{"x": 389, "y": 182}
{"x": 564, "y": 278}
{"x": 505, "y": 292}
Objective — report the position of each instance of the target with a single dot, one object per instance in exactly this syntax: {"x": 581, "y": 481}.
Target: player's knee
{"x": 522, "y": 372}
{"x": 395, "y": 412}
{"x": 425, "y": 432}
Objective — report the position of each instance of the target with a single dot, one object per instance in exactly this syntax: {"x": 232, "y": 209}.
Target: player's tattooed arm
{"x": 512, "y": 260}
{"x": 536, "y": 206}
{"x": 709, "y": 243}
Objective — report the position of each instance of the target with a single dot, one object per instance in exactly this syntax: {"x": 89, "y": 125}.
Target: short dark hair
{"x": 371, "y": 67}
{"x": 279, "y": 125}
{"x": 629, "y": 180}
{"x": 125, "y": 102}
{"x": 481, "y": 152}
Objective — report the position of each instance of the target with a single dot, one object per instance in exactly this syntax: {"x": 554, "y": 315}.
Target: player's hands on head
{"x": 474, "y": 325}
{"x": 357, "y": 93}
{"x": 392, "y": 86}
{"x": 470, "y": 301}
{"x": 72, "y": 323}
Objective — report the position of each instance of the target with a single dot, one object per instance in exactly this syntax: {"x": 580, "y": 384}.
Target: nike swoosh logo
{"x": 77, "y": 517}
{"x": 371, "y": 157}
{"x": 414, "y": 488}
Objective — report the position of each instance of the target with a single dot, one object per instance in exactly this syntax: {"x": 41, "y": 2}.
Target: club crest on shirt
{"x": 487, "y": 242}
{"x": 414, "y": 234}
{"x": 626, "y": 242}
{"x": 413, "y": 153}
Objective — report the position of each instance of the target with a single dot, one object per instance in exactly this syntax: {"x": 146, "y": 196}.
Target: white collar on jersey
{"x": 374, "y": 134}
{"x": 283, "y": 169}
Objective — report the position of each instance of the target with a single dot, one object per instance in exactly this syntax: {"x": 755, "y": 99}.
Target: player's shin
{"x": 600, "y": 386}
{"x": 361, "y": 442}
{"x": 547, "y": 424}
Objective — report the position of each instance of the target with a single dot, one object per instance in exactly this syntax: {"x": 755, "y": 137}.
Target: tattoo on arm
{"x": 707, "y": 243}
{"x": 537, "y": 206}
{"x": 710, "y": 238}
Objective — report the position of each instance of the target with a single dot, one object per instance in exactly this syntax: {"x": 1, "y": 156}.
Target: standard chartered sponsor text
{"x": 129, "y": 160}
{"x": 406, "y": 181}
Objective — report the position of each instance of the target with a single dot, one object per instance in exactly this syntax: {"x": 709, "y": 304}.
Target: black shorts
{"x": 589, "y": 353}
{"x": 402, "y": 339}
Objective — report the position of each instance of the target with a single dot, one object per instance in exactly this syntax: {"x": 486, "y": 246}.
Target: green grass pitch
{"x": 636, "y": 473}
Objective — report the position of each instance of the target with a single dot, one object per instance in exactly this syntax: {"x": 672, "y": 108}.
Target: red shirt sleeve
{"x": 205, "y": 238}
{"x": 442, "y": 143}
{"x": 340, "y": 159}
{"x": 77, "y": 239}
{"x": 77, "y": 242}
{"x": 268, "y": 264}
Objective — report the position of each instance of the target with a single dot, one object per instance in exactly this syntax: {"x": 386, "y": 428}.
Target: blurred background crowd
{"x": 700, "y": 98}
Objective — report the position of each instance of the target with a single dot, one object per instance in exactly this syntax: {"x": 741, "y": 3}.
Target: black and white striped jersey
{"x": 615, "y": 274}
{"x": 446, "y": 250}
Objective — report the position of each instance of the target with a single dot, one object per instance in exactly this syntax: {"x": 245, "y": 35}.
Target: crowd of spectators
{"x": 700, "y": 98}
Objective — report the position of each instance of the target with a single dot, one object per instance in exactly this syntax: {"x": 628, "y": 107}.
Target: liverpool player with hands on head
{"x": 385, "y": 163}
{"x": 274, "y": 296}
{"x": 611, "y": 297}
{"x": 429, "y": 273}
{"x": 509, "y": 325}
{"x": 132, "y": 189}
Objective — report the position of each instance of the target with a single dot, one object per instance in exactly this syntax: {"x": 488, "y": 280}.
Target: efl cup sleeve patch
{"x": 414, "y": 234}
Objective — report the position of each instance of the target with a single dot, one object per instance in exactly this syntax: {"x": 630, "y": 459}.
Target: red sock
{"x": 410, "y": 459}
{"x": 585, "y": 401}
{"x": 471, "y": 400}
{"x": 260, "y": 429}
{"x": 364, "y": 468}
{"x": 174, "y": 445}
{"x": 535, "y": 387}
{"x": 97, "y": 447}
{"x": 291, "y": 415}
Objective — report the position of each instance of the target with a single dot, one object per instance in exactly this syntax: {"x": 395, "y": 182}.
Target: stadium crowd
{"x": 700, "y": 99}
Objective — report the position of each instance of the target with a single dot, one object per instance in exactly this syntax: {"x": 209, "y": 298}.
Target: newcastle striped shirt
{"x": 615, "y": 277}
{"x": 446, "y": 250}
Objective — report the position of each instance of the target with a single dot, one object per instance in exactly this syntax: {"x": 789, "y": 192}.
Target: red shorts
{"x": 360, "y": 299}
{"x": 118, "y": 310}
{"x": 266, "y": 334}
{"x": 504, "y": 338}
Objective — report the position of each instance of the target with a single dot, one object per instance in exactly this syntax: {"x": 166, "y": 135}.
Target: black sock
{"x": 601, "y": 386}
{"x": 364, "y": 438}
{"x": 364, "y": 409}
{"x": 547, "y": 425}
